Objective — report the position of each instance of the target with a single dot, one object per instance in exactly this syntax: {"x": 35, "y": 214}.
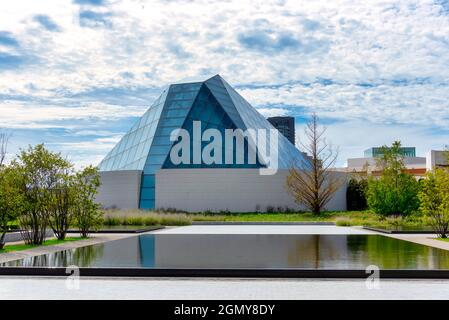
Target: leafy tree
{"x": 314, "y": 186}
{"x": 434, "y": 198}
{"x": 356, "y": 194}
{"x": 395, "y": 192}
{"x": 87, "y": 212}
{"x": 41, "y": 171}
{"x": 63, "y": 202}
{"x": 11, "y": 199}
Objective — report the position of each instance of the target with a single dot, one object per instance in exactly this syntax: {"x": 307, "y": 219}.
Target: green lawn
{"x": 443, "y": 239}
{"x": 50, "y": 242}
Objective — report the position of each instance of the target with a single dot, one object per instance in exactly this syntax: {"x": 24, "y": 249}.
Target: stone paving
{"x": 219, "y": 289}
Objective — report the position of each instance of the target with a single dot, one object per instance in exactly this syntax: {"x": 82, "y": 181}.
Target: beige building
{"x": 417, "y": 166}
{"x": 437, "y": 159}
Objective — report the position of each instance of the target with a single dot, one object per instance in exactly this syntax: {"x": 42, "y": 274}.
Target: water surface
{"x": 248, "y": 251}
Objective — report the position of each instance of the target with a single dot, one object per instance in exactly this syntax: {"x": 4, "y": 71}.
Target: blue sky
{"x": 76, "y": 74}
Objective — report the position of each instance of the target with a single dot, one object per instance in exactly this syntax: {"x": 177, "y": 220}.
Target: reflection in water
{"x": 249, "y": 251}
{"x": 80, "y": 257}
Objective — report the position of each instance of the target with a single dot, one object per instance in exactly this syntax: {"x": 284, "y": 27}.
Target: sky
{"x": 76, "y": 74}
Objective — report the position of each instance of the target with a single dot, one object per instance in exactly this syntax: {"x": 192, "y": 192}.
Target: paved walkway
{"x": 219, "y": 289}
{"x": 94, "y": 239}
{"x": 425, "y": 239}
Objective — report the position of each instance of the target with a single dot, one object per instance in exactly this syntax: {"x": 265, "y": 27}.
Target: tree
{"x": 62, "y": 207}
{"x": 11, "y": 200}
{"x": 395, "y": 192}
{"x": 87, "y": 214}
{"x": 41, "y": 171}
{"x": 434, "y": 199}
{"x": 312, "y": 182}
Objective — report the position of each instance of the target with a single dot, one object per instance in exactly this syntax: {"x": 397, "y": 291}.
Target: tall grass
{"x": 145, "y": 218}
{"x": 176, "y": 218}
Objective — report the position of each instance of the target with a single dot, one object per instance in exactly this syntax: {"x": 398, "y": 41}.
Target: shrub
{"x": 88, "y": 215}
{"x": 11, "y": 200}
{"x": 434, "y": 197}
{"x": 270, "y": 209}
{"x": 397, "y": 196}
{"x": 40, "y": 171}
{"x": 356, "y": 194}
{"x": 395, "y": 192}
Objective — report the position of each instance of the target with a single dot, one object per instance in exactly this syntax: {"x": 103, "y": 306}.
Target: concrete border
{"x": 226, "y": 273}
{"x": 293, "y": 223}
{"x": 400, "y": 231}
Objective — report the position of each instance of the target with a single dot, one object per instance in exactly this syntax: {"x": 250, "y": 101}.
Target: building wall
{"x": 236, "y": 190}
{"x": 436, "y": 159}
{"x": 120, "y": 189}
{"x": 409, "y": 162}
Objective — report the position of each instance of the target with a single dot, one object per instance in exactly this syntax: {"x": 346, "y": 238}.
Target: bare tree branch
{"x": 313, "y": 183}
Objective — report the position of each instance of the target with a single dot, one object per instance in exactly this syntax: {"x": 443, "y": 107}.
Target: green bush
{"x": 434, "y": 198}
{"x": 395, "y": 192}
{"x": 398, "y": 196}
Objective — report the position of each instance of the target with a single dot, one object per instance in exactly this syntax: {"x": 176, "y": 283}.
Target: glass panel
{"x": 148, "y": 181}
{"x": 156, "y": 159}
{"x": 147, "y": 194}
{"x": 163, "y": 150}
{"x": 151, "y": 169}
{"x": 147, "y": 204}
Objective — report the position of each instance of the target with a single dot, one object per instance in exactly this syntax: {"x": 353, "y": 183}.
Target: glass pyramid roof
{"x": 146, "y": 146}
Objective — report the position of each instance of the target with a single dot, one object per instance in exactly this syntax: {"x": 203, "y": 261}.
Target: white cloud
{"x": 272, "y": 112}
{"x": 287, "y": 56}
{"x": 16, "y": 115}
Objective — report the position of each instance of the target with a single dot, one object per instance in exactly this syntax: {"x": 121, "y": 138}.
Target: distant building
{"x": 437, "y": 159}
{"x": 368, "y": 164}
{"x": 377, "y": 152}
{"x": 285, "y": 125}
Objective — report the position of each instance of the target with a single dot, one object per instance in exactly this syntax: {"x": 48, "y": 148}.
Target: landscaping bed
{"x": 340, "y": 218}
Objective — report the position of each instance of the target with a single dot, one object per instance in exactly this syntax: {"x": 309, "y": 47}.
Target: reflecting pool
{"x": 248, "y": 251}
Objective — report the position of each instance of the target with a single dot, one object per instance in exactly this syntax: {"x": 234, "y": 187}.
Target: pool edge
{"x": 225, "y": 273}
